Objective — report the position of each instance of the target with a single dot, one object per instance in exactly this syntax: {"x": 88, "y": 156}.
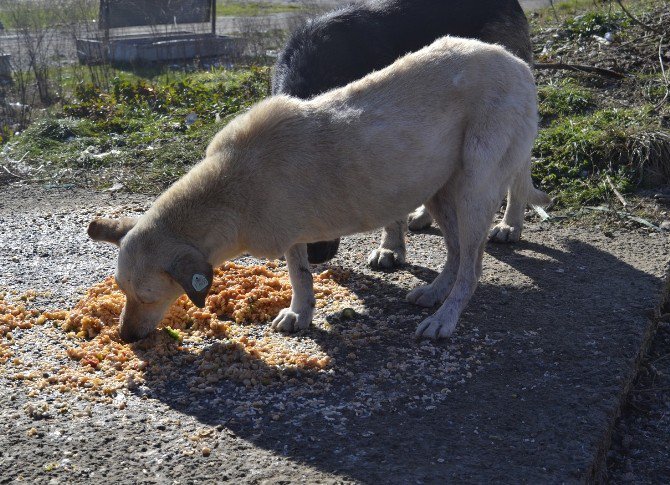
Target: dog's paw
{"x": 419, "y": 220}
{"x": 289, "y": 321}
{"x": 435, "y": 328}
{"x": 386, "y": 259}
{"x": 425, "y": 296}
{"x": 504, "y": 233}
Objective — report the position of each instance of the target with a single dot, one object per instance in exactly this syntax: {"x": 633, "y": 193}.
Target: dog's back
{"x": 434, "y": 107}
{"x": 338, "y": 161}
{"x": 345, "y": 45}
{"x": 342, "y": 46}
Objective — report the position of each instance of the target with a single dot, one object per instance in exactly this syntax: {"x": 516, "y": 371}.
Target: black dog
{"x": 344, "y": 45}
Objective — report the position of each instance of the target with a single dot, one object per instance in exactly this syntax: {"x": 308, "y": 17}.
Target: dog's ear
{"x": 194, "y": 274}
{"x": 110, "y": 230}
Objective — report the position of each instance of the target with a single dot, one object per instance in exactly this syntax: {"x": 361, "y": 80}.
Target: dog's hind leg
{"x": 474, "y": 216}
{"x": 391, "y": 251}
{"x": 519, "y": 194}
{"x": 443, "y": 208}
{"x": 419, "y": 219}
{"x": 509, "y": 229}
{"x": 299, "y": 315}
{"x": 477, "y": 191}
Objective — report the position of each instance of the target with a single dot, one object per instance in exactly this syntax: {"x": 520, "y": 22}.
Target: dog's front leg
{"x": 299, "y": 315}
{"x": 420, "y": 219}
{"x": 391, "y": 251}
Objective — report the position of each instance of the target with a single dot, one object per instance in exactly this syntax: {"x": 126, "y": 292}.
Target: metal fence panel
{"x": 134, "y": 13}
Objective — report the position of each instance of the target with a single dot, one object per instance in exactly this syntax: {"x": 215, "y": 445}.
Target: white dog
{"x": 451, "y": 126}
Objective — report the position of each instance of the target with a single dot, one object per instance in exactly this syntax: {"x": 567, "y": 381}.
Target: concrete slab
{"x": 149, "y": 49}
{"x": 525, "y": 392}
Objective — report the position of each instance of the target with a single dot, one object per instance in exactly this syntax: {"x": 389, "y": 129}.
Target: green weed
{"x": 251, "y": 9}
{"x": 147, "y": 131}
{"x": 595, "y": 23}
{"x": 43, "y": 14}
{"x": 564, "y": 98}
{"x": 577, "y": 152}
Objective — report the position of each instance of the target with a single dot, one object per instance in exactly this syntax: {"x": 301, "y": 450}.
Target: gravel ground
{"x": 527, "y": 390}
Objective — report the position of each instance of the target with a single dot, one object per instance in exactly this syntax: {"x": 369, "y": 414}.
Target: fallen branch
{"x": 665, "y": 76}
{"x": 616, "y": 192}
{"x": 21, "y": 159}
{"x": 10, "y": 173}
{"x": 634, "y": 40}
{"x": 635, "y": 20}
{"x": 627, "y": 215}
{"x": 580, "y": 68}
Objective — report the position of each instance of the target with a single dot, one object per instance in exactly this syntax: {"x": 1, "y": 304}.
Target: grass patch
{"x": 562, "y": 10}
{"x": 31, "y": 15}
{"x": 595, "y": 23}
{"x": 569, "y": 11}
{"x": 44, "y": 14}
{"x": 252, "y": 9}
{"x": 562, "y": 98}
{"x": 577, "y": 152}
{"x": 594, "y": 127}
{"x": 145, "y": 133}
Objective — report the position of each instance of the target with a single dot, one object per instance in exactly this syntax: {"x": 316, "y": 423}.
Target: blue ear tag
{"x": 199, "y": 282}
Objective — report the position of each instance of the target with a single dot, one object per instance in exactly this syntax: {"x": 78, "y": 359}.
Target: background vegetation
{"x": 145, "y": 127}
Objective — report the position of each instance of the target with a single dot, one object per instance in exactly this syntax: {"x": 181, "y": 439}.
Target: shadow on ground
{"x": 533, "y": 375}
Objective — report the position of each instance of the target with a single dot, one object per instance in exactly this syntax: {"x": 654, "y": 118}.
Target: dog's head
{"x": 153, "y": 270}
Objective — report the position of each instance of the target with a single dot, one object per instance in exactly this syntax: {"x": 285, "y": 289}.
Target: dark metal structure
{"x": 155, "y": 31}
{"x": 133, "y": 13}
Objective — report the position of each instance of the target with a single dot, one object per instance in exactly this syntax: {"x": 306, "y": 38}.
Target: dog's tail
{"x": 524, "y": 185}
{"x": 536, "y": 197}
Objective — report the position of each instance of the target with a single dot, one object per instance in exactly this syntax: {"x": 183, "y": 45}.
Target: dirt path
{"x": 526, "y": 391}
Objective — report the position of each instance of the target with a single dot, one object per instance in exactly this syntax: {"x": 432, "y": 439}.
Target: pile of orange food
{"x": 219, "y": 341}
{"x": 14, "y": 316}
